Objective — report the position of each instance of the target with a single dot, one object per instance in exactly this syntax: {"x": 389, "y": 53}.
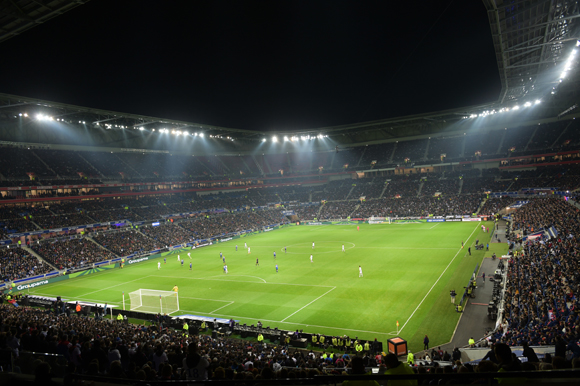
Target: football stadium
{"x": 431, "y": 248}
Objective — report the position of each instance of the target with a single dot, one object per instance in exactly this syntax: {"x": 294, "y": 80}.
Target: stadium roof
{"x": 534, "y": 42}
{"x": 17, "y": 16}
{"x": 533, "y": 39}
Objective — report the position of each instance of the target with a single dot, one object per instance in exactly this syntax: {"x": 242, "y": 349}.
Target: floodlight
{"x": 527, "y": 104}
{"x": 26, "y": 114}
{"x": 263, "y": 139}
{"x": 516, "y": 107}
{"x": 286, "y": 139}
{"x": 274, "y": 139}
{"x": 141, "y": 128}
{"x": 20, "y": 114}
{"x": 195, "y": 134}
{"x": 201, "y": 135}
{"x": 186, "y": 133}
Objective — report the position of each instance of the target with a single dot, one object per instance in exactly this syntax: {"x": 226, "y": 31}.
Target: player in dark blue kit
{"x": 284, "y": 249}
{"x": 257, "y": 263}
{"x": 274, "y": 254}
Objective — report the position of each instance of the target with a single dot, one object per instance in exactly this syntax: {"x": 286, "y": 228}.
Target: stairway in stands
{"x": 38, "y": 257}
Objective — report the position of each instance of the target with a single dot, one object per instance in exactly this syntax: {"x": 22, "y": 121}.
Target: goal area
{"x": 154, "y": 301}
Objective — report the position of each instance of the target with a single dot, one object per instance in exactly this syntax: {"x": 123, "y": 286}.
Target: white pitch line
{"x": 250, "y": 282}
{"x": 332, "y": 289}
{"x": 217, "y": 309}
{"x": 435, "y": 225}
{"x": 256, "y": 277}
{"x": 294, "y": 323}
{"x": 213, "y": 300}
{"x": 116, "y": 285}
{"x": 437, "y": 281}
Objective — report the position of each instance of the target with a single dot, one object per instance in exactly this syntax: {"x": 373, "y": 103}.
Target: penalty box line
{"x": 439, "y": 278}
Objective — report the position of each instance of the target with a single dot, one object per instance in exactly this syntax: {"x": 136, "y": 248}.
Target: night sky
{"x": 260, "y": 65}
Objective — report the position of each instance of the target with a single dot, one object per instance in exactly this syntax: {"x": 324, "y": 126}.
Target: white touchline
{"x": 217, "y": 309}
{"x": 434, "y": 225}
{"x": 294, "y": 323}
{"x": 437, "y": 281}
{"x": 116, "y": 285}
{"x": 332, "y": 289}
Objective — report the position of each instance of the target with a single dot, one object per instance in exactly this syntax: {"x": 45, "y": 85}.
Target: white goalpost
{"x": 154, "y": 301}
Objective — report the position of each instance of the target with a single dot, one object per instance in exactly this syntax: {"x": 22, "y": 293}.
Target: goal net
{"x": 153, "y": 301}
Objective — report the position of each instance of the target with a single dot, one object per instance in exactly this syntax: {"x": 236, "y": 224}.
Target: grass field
{"x": 408, "y": 272}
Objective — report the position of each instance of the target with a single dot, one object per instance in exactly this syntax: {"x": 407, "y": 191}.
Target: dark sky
{"x": 260, "y": 65}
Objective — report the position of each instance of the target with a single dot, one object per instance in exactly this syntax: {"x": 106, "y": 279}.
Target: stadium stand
{"x": 71, "y": 253}
{"x": 16, "y": 263}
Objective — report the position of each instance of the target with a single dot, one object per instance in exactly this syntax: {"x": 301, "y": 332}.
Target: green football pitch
{"x": 408, "y": 271}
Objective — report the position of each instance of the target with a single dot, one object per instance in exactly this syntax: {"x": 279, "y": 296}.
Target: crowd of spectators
{"x": 167, "y": 234}
{"x": 15, "y": 225}
{"x": 406, "y": 187}
{"x": 97, "y": 347}
{"x": 126, "y": 242}
{"x": 432, "y": 186}
{"x": 16, "y": 263}
{"x": 494, "y": 205}
{"x": 63, "y": 220}
{"x": 204, "y": 227}
{"x": 541, "y": 306}
{"x": 337, "y": 210}
{"x": 447, "y": 205}
{"x": 370, "y": 189}
{"x": 484, "y": 184}
{"x": 306, "y": 212}
{"x": 71, "y": 253}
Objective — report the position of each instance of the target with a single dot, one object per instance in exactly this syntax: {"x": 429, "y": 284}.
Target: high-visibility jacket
{"x": 359, "y": 347}
{"x": 367, "y": 346}
{"x": 410, "y": 358}
{"x": 260, "y": 337}
{"x": 322, "y": 339}
{"x": 119, "y": 317}
{"x": 78, "y": 308}
{"x": 185, "y": 327}
{"x": 314, "y": 339}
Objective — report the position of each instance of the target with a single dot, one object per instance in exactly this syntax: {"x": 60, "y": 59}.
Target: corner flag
{"x": 397, "y": 324}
